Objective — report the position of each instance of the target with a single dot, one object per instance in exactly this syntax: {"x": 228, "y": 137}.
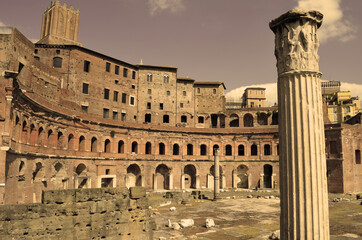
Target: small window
{"x": 133, "y": 75}
{"x": 147, "y": 118}
{"x": 86, "y": 66}
{"x": 84, "y": 109}
{"x": 181, "y": 105}
{"x": 37, "y": 58}
{"x": 214, "y": 91}
{"x": 108, "y": 67}
{"x": 115, "y": 115}
{"x": 116, "y": 70}
{"x": 149, "y": 77}
{"x": 85, "y": 88}
{"x": 36, "y": 51}
{"x": 183, "y": 118}
{"x": 201, "y": 119}
{"x": 116, "y": 81}
{"x": 115, "y": 96}
{"x": 57, "y": 62}
{"x": 358, "y": 156}
{"x": 149, "y": 91}
{"x": 123, "y": 116}
{"x": 106, "y": 93}
{"x": 131, "y": 101}
{"x": 198, "y": 90}
{"x": 57, "y": 51}
{"x": 124, "y": 98}
{"x": 168, "y": 93}
{"x": 133, "y": 87}
{"x": 105, "y": 113}
{"x": 161, "y": 106}
{"x": 166, "y": 118}
{"x": 148, "y": 105}
{"x": 184, "y": 93}
{"x": 125, "y": 72}
{"x": 165, "y": 78}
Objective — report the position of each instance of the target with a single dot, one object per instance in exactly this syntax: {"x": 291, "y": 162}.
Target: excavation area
{"x": 241, "y": 215}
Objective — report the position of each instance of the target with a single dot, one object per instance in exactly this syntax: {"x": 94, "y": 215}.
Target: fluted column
{"x": 303, "y": 180}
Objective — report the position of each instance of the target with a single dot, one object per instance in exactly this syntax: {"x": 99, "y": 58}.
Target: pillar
{"x": 155, "y": 181}
{"x": 303, "y": 180}
{"x": 216, "y": 176}
{"x": 197, "y": 181}
{"x": 249, "y": 181}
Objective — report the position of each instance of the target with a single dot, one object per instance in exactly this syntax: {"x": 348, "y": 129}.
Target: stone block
{"x": 137, "y": 192}
{"x": 58, "y": 196}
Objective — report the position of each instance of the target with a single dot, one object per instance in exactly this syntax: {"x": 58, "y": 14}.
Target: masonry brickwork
{"x": 75, "y": 118}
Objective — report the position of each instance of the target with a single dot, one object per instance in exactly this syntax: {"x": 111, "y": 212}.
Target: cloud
{"x": 4, "y": 29}
{"x": 271, "y": 91}
{"x": 334, "y": 26}
{"x": 169, "y": 6}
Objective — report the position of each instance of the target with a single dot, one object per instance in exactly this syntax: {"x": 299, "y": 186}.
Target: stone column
{"x": 303, "y": 180}
{"x": 216, "y": 176}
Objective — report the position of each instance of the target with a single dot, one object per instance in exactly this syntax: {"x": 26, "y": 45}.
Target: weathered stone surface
{"x": 210, "y": 223}
{"x": 137, "y": 192}
{"x": 186, "y": 223}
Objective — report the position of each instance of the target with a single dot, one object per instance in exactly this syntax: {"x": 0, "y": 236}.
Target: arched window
{"x": 183, "y": 118}
{"x": 149, "y": 77}
{"x": 267, "y": 150}
{"x": 60, "y": 140}
{"x": 263, "y": 118}
{"x": 175, "y": 149}
{"x": 166, "y": 118}
{"x": 134, "y": 147}
{"x": 147, "y": 117}
{"x": 120, "y": 146}
{"x": 254, "y": 150}
{"x": 57, "y": 62}
{"x": 228, "y": 150}
{"x": 248, "y": 120}
{"x": 190, "y": 149}
{"x": 94, "y": 144}
{"x": 71, "y": 142}
{"x": 81, "y": 143}
{"x": 203, "y": 150}
{"x": 234, "y": 120}
{"x": 201, "y": 119}
{"x": 165, "y": 78}
{"x": 161, "y": 148}
{"x": 241, "y": 150}
{"x": 148, "y": 148}
{"x": 107, "y": 146}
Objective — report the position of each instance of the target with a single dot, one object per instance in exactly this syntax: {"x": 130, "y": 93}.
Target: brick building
{"x": 75, "y": 118}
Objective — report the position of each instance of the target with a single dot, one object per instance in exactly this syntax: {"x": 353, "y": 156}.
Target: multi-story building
{"x": 75, "y": 118}
{"x": 254, "y": 97}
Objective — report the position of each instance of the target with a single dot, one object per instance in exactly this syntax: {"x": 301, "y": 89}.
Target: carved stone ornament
{"x": 296, "y": 41}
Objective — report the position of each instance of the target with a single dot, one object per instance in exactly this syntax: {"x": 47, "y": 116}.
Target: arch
{"x": 254, "y": 150}
{"x": 38, "y": 171}
{"x": 120, "y": 146}
{"x": 234, "y": 120}
{"x": 163, "y": 176}
{"x": 248, "y": 120}
{"x": 60, "y": 140}
{"x": 134, "y": 177}
{"x": 267, "y": 149}
{"x": 71, "y": 142}
{"x": 214, "y": 148}
{"x": 134, "y": 147}
{"x": 190, "y": 149}
{"x": 58, "y": 166}
{"x": 228, "y": 150}
{"x": 40, "y": 136}
{"x": 242, "y": 176}
{"x": 268, "y": 172}
{"x": 94, "y": 143}
{"x": 107, "y": 146}
{"x": 262, "y": 119}
{"x": 161, "y": 148}
{"x": 52, "y": 139}
{"x": 241, "y": 150}
{"x": 24, "y": 132}
{"x": 33, "y": 135}
{"x": 275, "y": 118}
{"x": 203, "y": 150}
{"x": 190, "y": 176}
{"x": 175, "y": 149}
{"x": 148, "y": 148}
{"x": 57, "y": 62}
{"x": 81, "y": 169}
{"x": 81, "y": 146}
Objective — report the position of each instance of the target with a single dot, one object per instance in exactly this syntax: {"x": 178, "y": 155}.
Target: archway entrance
{"x": 190, "y": 176}
{"x": 163, "y": 177}
{"x": 133, "y": 177}
{"x": 242, "y": 176}
{"x": 268, "y": 172}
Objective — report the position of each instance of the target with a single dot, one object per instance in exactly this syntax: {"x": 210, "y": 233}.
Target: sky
{"x": 207, "y": 40}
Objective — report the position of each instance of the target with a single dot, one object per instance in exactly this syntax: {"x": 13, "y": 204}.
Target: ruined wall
{"x": 111, "y": 213}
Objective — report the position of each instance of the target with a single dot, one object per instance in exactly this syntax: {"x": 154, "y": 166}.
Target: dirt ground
{"x": 249, "y": 218}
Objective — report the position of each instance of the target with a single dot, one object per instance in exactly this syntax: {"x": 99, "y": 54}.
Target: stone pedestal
{"x": 303, "y": 180}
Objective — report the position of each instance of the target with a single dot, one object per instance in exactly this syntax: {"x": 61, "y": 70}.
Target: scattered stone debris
{"x": 359, "y": 196}
{"x": 210, "y": 223}
{"x": 165, "y": 204}
{"x": 186, "y": 223}
{"x": 275, "y": 235}
{"x": 172, "y": 209}
{"x": 249, "y": 196}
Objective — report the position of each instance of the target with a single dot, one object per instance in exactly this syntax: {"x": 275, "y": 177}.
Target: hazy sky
{"x": 208, "y": 40}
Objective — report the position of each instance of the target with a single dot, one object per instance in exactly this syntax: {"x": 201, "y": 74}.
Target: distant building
{"x": 340, "y": 105}
{"x": 254, "y": 97}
